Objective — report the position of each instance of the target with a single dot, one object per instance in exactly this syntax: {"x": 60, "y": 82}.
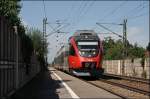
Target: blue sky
{"x": 84, "y": 15}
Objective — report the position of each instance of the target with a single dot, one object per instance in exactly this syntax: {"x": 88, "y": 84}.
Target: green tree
{"x": 113, "y": 49}
{"x": 138, "y": 51}
{"x": 10, "y": 9}
{"x": 40, "y": 47}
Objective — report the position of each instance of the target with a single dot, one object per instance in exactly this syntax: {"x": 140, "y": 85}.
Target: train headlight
{"x": 83, "y": 53}
{"x": 94, "y": 52}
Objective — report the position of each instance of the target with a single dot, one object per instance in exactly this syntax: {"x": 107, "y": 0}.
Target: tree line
{"x": 114, "y": 49}
{"x": 31, "y": 39}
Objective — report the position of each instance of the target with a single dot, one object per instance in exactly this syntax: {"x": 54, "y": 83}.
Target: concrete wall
{"x": 131, "y": 67}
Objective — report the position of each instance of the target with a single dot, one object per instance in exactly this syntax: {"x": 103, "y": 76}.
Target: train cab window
{"x": 71, "y": 50}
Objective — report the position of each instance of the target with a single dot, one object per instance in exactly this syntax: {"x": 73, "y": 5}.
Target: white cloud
{"x": 137, "y": 34}
{"x": 133, "y": 31}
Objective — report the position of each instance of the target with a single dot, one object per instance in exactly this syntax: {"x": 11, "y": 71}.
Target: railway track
{"x": 128, "y": 87}
{"x": 134, "y": 84}
{"x": 122, "y": 87}
{"x": 142, "y": 80}
{"x": 97, "y": 85}
{"x": 118, "y": 90}
{"x": 121, "y": 90}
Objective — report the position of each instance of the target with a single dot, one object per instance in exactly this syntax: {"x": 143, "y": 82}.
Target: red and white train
{"x": 84, "y": 55}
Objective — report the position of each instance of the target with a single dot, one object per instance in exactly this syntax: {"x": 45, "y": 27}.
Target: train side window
{"x": 72, "y": 50}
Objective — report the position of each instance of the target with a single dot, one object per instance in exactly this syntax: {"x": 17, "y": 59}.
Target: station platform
{"x": 43, "y": 86}
{"x": 54, "y": 84}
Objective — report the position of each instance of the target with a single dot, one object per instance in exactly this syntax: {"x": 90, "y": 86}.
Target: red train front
{"x": 85, "y": 54}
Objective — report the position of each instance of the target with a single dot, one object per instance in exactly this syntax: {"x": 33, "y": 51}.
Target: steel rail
{"x": 142, "y": 80}
{"x": 123, "y": 97}
{"x": 126, "y": 87}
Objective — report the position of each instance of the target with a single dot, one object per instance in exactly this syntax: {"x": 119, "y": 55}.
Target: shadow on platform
{"x": 41, "y": 87}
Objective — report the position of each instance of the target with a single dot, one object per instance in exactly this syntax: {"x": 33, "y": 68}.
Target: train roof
{"x": 84, "y": 32}
{"x": 85, "y": 35}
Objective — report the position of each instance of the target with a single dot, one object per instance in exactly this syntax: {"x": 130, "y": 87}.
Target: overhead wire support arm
{"x": 64, "y": 26}
{"x": 54, "y": 30}
{"x": 103, "y": 33}
{"x": 100, "y": 24}
{"x": 111, "y": 23}
{"x": 58, "y": 28}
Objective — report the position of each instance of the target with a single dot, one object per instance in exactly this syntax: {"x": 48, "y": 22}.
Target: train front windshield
{"x": 88, "y": 49}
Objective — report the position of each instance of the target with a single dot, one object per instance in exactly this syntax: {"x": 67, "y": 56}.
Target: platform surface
{"x": 54, "y": 84}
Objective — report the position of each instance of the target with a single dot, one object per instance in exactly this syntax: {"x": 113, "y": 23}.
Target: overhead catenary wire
{"x": 70, "y": 12}
{"x": 76, "y": 15}
{"x": 138, "y": 16}
{"x": 133, "y": 12}
{"x": 79, "y": 12}
{"x": 83, "y": 12}
{"x": 137, "y": 8}
{"x": 113, "y": 11}
{"x": 73, "y": 18}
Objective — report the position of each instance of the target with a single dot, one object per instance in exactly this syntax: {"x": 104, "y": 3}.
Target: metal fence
{"x": 9, "y": 75}
{"x": 7, "y": 57}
